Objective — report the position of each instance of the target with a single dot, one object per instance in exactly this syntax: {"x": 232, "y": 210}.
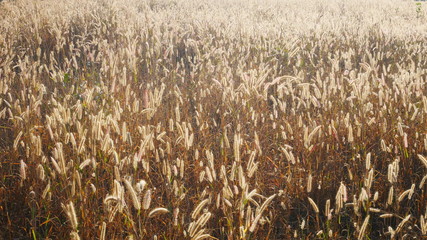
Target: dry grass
{"x": 213, "y": 119}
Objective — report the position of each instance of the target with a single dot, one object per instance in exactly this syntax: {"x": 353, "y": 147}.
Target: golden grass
{"x": 160, "y": 119}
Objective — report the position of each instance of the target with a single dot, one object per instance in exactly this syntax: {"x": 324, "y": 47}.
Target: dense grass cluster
{"x": 158, "y": 119}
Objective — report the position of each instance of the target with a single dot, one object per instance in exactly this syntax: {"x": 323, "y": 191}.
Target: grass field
{"x": 246, "y": 119}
